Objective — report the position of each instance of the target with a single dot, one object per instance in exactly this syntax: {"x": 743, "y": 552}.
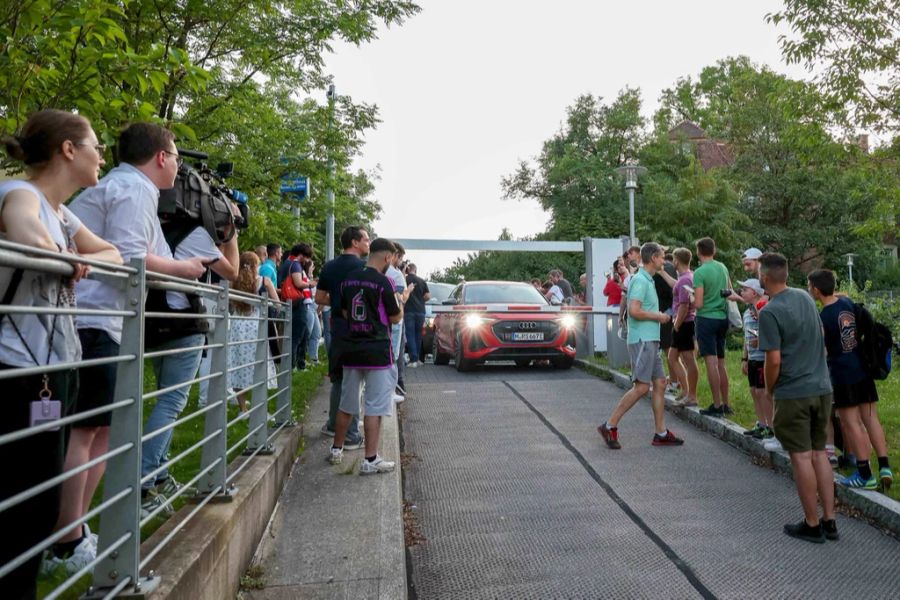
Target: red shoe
{"x": 667, "y": 440}
{"x": 611, "y": 436}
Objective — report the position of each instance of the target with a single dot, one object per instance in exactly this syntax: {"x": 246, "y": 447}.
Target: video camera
{"x": 200, "y": 196}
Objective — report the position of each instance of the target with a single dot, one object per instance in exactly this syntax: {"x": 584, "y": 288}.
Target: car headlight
{"x": 473, "y": 321}
{"x": 567, "y": 321}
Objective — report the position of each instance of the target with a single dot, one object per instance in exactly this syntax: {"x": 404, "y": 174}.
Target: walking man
{"x": 369, "y": 306}
{"x": 644, "y": 320}
{"x": 414, "y": 319}
{"x": 790, "y": 333}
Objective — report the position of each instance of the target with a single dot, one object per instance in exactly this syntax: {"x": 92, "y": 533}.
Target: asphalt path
{"x": 517, "y": 497}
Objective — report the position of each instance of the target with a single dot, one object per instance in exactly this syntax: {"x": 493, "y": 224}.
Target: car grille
{"x": 504, "y": 330}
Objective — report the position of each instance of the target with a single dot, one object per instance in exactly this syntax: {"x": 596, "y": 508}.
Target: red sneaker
{"x": 667, "y": 440}
{"x": 611, "y": 435}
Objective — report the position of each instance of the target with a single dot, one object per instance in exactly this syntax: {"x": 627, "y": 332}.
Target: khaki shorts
{"x": 800, "y": 422}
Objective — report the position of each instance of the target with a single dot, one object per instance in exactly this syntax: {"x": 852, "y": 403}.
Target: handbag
{"x": 288, "y": 290}
{"x": 735, "y": 320}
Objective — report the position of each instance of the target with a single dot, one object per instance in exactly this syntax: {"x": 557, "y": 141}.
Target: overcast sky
{"x": 467, "y": 88}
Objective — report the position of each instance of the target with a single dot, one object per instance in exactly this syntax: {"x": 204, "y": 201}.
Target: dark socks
{"x": 883, "y": 462}
{"x": 64, "y": 549}
{"x": 864, "y": 470}
{"x": 371, "y": 458}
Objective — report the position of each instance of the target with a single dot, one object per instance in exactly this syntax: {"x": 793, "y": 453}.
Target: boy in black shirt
{"x": 369, "y": 306}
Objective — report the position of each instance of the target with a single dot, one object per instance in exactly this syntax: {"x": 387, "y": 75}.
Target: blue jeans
{"x": 315, "y": 332}
{"x": 170, "y": 370}
{"x": 299, "y": 333}
{"x": 414, "y": 323}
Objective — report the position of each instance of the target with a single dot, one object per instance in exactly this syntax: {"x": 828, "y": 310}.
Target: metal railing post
{"x": 285, "y": 379}
{"x": 217, "y": 418}
{"x": 259, "y": 405}
{"x": 123, "y": 471}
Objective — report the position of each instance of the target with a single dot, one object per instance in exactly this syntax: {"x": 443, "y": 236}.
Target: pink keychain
{"x": 45, "y": 410}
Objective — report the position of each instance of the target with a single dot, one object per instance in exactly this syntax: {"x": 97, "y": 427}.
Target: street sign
{"x": 296, "y": 186}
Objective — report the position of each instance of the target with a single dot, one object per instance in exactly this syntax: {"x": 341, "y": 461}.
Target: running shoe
{"x": 336, "y": 456}
{"x": 758, "y": 429}
{"x": 327, "y": 432}
{"x": 727, "y": 410}
{"x": 713, "y": 411}
{"x": 667, "y": 440}
{"x": 611, "y": 435}
{"x": 83, "y": 554}
{"x": 804, "y": 532}
{"x": 856, "y": 481}
{"x": 355, "y": 444}
{"x": 830, "y": 529}
{"x": 887, "y": 478}
{"x": 379, "y": 465}
{"x": 832, "y": 458}
{"x": 772, "y": 445}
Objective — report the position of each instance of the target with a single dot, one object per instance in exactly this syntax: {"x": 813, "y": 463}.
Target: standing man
{"x": 753, "y": 362}
{"x": 355, "y": 242}
{"x": 369, "y": 306}
{"x": 397, "y": 337}
{"x": 750, "y": 261}
{"x": 269, "y": 266}
{"x": 557, "y": 279}
{"x": 711, "y": 324}
{"x": 301, "y": 323}
{"x": 855, "y": 393}
{"x": 790, "y": 333}
{"x": 414, "y": 319}
{"x": 644, "y": 320}
{"x": 681, "y": 355}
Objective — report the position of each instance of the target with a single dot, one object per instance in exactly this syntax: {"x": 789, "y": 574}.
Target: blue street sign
{"x": 295, "y": 185}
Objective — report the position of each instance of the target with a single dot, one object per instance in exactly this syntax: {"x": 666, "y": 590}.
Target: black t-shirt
{"x": 367, "y": 300}
{"x": 663, "y": 290}
{"x": 416, "y": 302}
{"x": 841, "y": 343}
{"x": 333, "y": 274}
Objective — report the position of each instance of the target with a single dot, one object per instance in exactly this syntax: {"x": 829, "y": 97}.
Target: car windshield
{"x": 439, "y": 291}
{"x": 503, "y": 293}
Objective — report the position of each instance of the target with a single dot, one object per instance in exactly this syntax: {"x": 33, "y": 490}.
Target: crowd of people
{"x": 802, "y": 364}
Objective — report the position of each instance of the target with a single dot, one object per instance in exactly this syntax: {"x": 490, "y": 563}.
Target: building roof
{"x": 687, "y": 129}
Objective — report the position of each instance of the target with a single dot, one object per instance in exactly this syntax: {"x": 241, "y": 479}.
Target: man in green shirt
{"x": 711, "y": 324}
{"x": 644, "y": 320}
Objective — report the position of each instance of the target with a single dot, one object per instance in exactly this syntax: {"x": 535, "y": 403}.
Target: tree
{"x": 856, "y": 44}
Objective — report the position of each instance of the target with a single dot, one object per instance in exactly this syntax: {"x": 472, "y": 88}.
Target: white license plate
{"x": 537, "y": 336}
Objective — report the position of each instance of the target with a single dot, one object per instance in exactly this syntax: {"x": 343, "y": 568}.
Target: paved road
{"x": 517, "y": 498}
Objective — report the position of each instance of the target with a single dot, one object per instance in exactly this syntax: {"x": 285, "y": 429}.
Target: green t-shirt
{"x": 790, "y": 322}
{"x": 712, "y": 276}
{"x": 643, "y": 290}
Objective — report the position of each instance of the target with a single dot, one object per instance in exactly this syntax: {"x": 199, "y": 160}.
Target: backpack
{"x": 876, "y": 344}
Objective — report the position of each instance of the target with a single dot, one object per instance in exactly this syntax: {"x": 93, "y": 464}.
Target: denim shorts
{"x": 711, "y": 336}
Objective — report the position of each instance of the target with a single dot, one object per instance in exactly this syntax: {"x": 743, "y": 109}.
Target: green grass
{"x": 742, "y": 403}
{"x": 304, "y": 386}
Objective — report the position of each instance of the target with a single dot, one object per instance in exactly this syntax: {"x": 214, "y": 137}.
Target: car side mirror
{"x": 449, "y": 302}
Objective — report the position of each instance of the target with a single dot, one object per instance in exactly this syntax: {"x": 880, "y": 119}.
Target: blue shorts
{"x": 711, "y": 336}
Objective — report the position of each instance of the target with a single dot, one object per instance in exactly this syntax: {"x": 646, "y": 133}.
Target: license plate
{"x": 537, "y": 336}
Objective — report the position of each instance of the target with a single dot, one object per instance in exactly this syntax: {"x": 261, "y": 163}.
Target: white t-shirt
{"x": 40, "y": 290}
{"x": 556, "y": 292}
{"x": 197, "y": 243}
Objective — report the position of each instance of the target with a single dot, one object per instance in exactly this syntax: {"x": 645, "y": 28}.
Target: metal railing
{"x": 120, "y": 566}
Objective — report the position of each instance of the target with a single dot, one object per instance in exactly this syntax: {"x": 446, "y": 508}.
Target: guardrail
{"x": 119, "y": 566}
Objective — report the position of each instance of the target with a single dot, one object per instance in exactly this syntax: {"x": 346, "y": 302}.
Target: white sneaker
{"x": 336, "y": 456}
{"x": 92, "y": 537}
{"x": 84, "y": 553}
{"x": 772, "y": 445}
{"x": 398, "y": 398}
{"x": 379, "y": 465}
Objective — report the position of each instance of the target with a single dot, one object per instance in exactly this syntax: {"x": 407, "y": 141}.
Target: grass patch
{"x": 742, "y": 403}
{"x": 304, "y": 386}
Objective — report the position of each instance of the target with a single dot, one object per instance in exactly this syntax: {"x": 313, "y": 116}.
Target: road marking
{"x": 666, "y": 549}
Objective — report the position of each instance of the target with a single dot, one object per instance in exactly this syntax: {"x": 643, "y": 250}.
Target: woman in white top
{"x": 61, "y": 155}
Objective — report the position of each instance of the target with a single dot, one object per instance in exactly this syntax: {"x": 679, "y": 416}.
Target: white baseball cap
{"x": 754, "y": 285}
{"x": 752, "y": 254}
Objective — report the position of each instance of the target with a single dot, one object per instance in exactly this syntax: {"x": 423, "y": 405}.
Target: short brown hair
{"x": 43, "y": 134}
{"x": 706, "y": 247}
{"x": 683, "y": 256}
{"x": 774, "y": 265}
{"x": 140, "y": 142}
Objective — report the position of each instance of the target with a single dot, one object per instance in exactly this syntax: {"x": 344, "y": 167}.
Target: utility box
{"x": 616, "y": 347}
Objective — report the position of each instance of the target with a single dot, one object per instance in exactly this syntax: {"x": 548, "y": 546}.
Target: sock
{"x": 63, "y": 549}
{"x": 610, "y": 427}
{"x": 371, "y": 458}
{"x": 864, "y": 470}
{"x": 883, "y": 462}
{"x": 663, "y": 434}
{"x": 333, "y": 447}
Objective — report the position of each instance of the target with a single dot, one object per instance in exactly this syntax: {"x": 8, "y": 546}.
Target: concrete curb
{"x": 207, "y": 558}
{"x": 873, "y": 506}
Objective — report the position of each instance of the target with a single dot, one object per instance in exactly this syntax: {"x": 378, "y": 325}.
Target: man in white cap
{"x": 750, "y": 260}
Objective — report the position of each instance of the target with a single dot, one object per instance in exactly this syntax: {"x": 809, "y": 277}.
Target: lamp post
{"x": 630, "y": 174}
{"x": 850, "y": 256}
{"x": 331, "y": 95}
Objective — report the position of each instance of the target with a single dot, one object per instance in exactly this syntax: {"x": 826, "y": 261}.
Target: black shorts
{"x": 98, "y": 384}
{"x": 756, "y": 374}
{"x": 711, "y": 336}
{"x": 854, "y": 394}
{"x": 683, "y": 339}
{"x": 665, "y": 335}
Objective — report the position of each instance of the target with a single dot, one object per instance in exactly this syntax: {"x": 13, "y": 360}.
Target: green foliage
{"x": 856, "y": 45}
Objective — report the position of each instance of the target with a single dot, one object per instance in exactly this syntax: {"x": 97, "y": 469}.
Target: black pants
{"x": 26, "y": 463}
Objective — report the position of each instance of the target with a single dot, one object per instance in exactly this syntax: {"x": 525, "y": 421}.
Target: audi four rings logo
{"x": 527, "y": 325}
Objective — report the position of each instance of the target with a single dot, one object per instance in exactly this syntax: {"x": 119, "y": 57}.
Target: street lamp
{"x": 331, "y": 95}
{"x": 630, "y": 174}
{"x": 850, "y": 256}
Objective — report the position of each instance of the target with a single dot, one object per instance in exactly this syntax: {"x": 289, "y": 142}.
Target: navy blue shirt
{"x": 333, "y": 275}
{"x": 841, "y": 343}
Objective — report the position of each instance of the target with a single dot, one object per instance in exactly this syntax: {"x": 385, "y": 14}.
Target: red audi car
{"x": 478, "y": 327}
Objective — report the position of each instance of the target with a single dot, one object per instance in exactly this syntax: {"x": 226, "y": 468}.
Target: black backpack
{"x": 876, "y": 344}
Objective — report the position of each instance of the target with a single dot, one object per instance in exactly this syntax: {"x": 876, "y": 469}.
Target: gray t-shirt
{"x": 790, "y": 323}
